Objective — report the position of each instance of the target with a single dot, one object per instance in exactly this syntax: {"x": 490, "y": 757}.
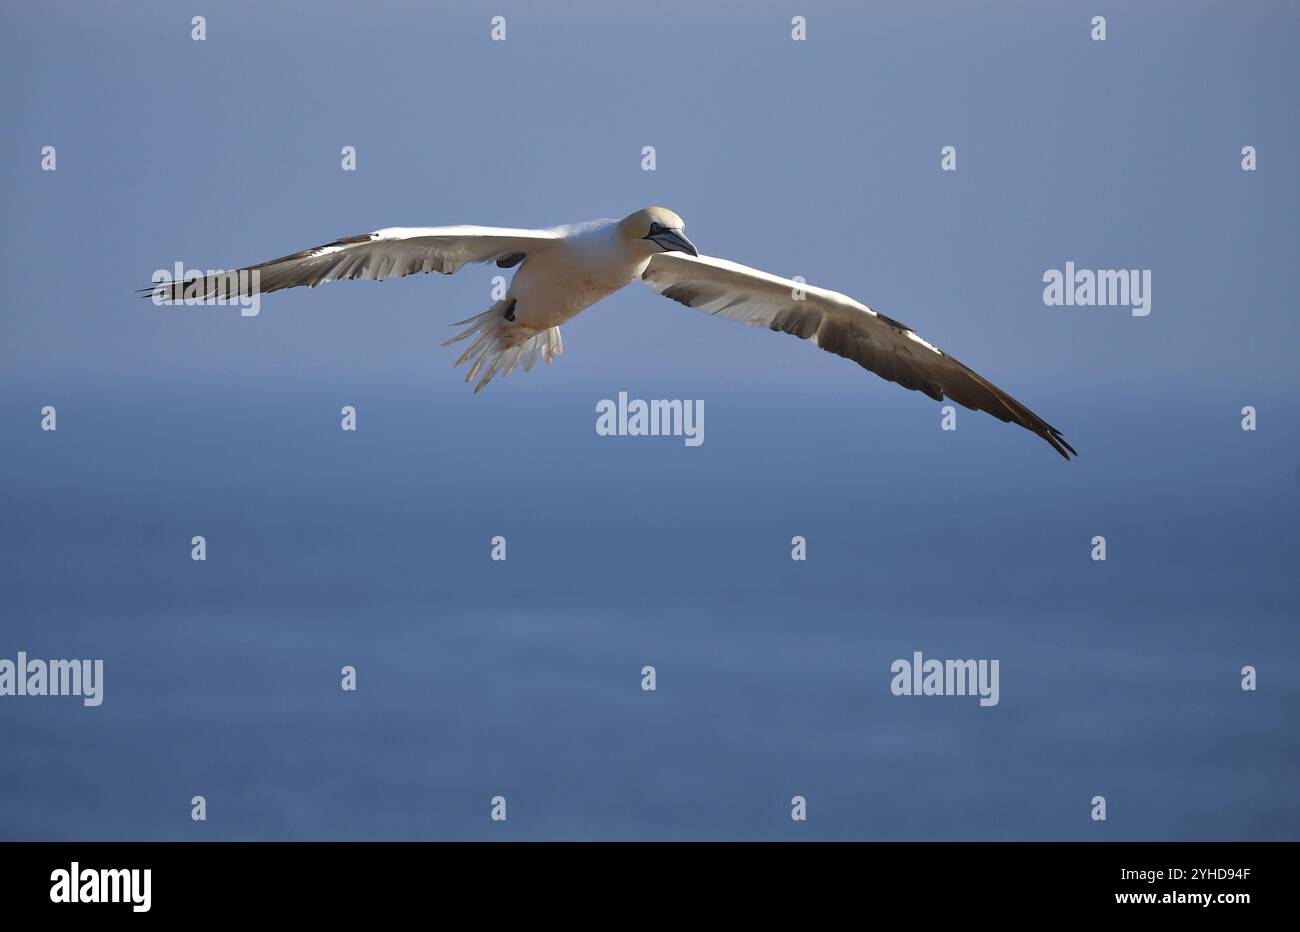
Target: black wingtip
{"x": 1059, "y": 443}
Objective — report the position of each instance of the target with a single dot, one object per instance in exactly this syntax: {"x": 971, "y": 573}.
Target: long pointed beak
{"x": 673, "y": 241}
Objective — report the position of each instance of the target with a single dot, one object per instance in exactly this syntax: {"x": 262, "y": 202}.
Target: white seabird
{"x": 564, "y": 270}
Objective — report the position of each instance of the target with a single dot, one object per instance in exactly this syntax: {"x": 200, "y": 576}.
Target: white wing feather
{"x": 388, "y": 253}
{"x": 839, "y": 325}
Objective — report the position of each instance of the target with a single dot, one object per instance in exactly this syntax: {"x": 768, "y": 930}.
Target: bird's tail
{"x": 499, "y": 345}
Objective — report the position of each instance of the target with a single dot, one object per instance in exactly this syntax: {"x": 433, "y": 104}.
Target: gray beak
{"x": 671, "y": 240}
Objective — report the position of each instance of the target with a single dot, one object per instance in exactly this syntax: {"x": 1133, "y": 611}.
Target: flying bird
{"x": 563, "y": 270}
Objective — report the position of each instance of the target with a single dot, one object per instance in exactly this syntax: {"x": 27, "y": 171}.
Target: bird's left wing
{"x": 388, "y": 253}
{"x": 839, "y": 325}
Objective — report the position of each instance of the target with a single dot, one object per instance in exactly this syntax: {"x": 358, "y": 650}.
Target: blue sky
{"x": 818, "y": 158}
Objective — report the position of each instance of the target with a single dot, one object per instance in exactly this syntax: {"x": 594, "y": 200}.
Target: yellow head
{"x": 660, "y": 228}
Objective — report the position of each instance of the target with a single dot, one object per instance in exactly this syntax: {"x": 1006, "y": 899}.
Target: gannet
{"x": 563, "y": 270}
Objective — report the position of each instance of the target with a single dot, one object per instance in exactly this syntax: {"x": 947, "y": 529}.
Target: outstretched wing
{"x": 389, "y": 253}
{"x": 839, "y": 325}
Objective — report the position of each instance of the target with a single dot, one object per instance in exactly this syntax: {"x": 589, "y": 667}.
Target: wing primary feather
{"x": 837, "y": 324}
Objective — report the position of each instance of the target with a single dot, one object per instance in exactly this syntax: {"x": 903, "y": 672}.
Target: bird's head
{"x": 660, "y": 229}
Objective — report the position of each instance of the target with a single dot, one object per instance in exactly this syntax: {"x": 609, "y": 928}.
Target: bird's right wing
{"x": 839, "y": 325}
{"x": 389, "y": 253}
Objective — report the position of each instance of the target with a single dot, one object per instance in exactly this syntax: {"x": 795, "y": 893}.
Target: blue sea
{"x": 522, "y": 678}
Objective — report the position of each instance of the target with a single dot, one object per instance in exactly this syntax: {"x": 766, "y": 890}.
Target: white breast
{"x": 557, "y": 283}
